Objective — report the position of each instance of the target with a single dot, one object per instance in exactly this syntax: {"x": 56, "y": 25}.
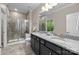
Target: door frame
{"x": 3, "y": 30}
{"x": 0, "y": 28}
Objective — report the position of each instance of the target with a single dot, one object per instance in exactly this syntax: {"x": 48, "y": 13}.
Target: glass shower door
{"x": 16, "y": 29}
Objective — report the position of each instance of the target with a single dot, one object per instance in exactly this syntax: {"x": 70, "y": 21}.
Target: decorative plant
{"x": 50, "y": 25}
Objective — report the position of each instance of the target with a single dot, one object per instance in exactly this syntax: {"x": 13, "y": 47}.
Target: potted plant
{"x": 50, "y": 26}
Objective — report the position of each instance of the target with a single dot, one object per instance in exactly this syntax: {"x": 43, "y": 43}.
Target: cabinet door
{"x": 37, "y": 46}
{"x": 32, "y": 41}
{"x": 54, "y": 47}
{"x": 45, "y": 51}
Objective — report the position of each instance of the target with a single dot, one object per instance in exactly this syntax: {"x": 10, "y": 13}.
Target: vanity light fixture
{"x": 16, "y": 9}
{"x": 48, "y": 6}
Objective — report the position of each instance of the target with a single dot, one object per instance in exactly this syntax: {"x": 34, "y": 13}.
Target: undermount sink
{"x": 53, "y": 37}
{"x": 57, "y": 39}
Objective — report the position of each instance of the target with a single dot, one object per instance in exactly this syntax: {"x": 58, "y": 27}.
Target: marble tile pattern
{"x": 18, "y": 49}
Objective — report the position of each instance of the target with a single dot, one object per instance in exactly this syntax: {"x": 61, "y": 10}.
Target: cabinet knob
{"x": 37, "y": 39}
{"x": 42, "y": 42}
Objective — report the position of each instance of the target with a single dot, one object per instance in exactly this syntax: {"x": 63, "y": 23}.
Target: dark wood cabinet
{"x": 53, "y": 47}
{"x": 54, "y": 53}
{"x": 42, "y": 47}
{"x": 32, "y": 41}
{"x": 44, "y": 50}
{"x": 66, "y": 52}
{"x": 37, "y": 46}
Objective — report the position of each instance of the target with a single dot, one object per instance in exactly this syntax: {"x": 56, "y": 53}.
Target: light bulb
{"x": 16, "y": 9}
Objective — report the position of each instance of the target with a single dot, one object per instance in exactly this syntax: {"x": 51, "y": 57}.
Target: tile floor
{"x": 18, "y": 49}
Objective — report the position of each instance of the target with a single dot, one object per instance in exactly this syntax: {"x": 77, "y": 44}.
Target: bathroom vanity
{"x": 43, "y": 44}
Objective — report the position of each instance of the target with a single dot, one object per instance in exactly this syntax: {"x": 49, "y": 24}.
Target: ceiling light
{"x": 16, "y": 9}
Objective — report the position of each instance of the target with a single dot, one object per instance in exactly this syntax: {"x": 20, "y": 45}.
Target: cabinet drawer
{"x": 53, "y": 47}
{"x": 37, "y": 39}
{"x": 34, "y": 37}
{"x": 42, "y": 41}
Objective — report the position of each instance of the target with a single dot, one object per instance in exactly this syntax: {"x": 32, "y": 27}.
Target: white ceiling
{"x": 22, "y": 7}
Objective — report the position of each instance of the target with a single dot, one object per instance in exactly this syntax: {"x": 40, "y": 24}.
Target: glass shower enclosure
{"x": 16, "y": 28}
{"x": 13, "y": 26}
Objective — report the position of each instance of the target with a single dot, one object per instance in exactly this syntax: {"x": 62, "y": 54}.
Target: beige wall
{"x": 59, "y": 18}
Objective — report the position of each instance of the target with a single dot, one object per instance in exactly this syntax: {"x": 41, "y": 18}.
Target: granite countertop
{"x": 69, "y": 44}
